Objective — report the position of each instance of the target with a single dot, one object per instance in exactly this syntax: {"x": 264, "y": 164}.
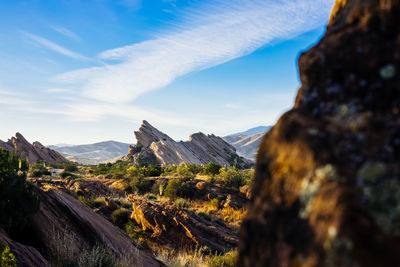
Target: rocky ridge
{"x": 32, "y": 152}
{"x": 327, "y": 188}
{"x": 157, "y": 147}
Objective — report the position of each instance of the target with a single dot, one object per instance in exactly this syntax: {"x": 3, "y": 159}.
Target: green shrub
{"x": 214, "y": 202}
{"x": 66, "y": 174}
{"x": 173, "y": 188}
{"x": 7, "y": 259}
{"x": 178, "y": 188}
{"x": 184, "y": 171}
{"x": 17, "y": 199}
{"x": 135, "y": 231}
{"x": 158, "y": 187}
{"x": 232, "y": 177}
{"x": 79, "y": 192}
{"x": 98, "y": 202}
{"x": 141, "y": 185}
{"x": 227, "y": 260}
{"x": 69, "y": 167}
{"x": 152, "y": 171}
{"x": 181, "y": 203}
{"x": 120, "y": 217}
{"x": 86, "y": 201}
{"x": 151, "y": 196}
{"x": 212, "y": 169}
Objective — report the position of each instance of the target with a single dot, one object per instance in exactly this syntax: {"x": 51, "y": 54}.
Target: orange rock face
{"x": 327, "y": 187}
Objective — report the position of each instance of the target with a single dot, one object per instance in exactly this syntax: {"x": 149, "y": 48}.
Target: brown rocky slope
{"x": 327, "y": 188}
{"x": 32, "y": 152}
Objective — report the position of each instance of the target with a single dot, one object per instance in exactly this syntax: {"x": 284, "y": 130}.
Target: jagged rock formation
{"x": 32, "y": 152}
{"x": 63, "y": 222}
{"x": 24, "y": 255}
{"x": 178, "y": 228}
{"x": 327, "y": 185}
{"x": 156, "y": 147}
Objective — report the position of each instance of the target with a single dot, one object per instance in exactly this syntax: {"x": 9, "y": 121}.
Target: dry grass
{"x": 197, "y": 259}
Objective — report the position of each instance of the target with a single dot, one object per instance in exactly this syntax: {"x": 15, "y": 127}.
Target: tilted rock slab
{"x": 327, "y": 185}
{"x": 32, "y": 152}
{"x": 200, "y": 149}
{"x": 60, "y": 214}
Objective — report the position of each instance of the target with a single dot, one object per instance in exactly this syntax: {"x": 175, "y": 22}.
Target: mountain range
{"x": 246, "y": 144}
{"x": 92, "y": 154}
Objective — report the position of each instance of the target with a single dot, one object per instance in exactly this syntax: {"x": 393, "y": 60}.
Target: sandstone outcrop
{"x": 24, "y": 255}
{"x": 156, "y": 147}
{"x": 327, "y": 185}
{"x": 64, "y": 219}
{"x": 32, "y": 152}
{"x": 180, "y": 229}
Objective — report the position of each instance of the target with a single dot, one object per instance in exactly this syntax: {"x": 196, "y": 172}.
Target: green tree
{"x": 17, "y": 199}
{"x": 212, "y": 169}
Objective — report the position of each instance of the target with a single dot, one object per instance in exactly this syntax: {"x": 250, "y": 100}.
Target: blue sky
{"x": 86, "y": 71}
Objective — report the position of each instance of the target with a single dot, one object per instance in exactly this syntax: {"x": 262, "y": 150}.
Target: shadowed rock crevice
{"x": 327, "y": 174}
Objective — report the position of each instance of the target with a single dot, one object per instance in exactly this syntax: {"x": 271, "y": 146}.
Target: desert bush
{"x": 102, "y": 169}
{"x": 120, "y": 217}
{"x": 38, "y": 170}
{"x": 214, "y": 203}
{"x": 98, "y": 256}
{"x": 181, "y": 203}
{"x": 227, "y": 260}
{"x": 232, "y": 177}
{"x": 133, "y": 171}
{"x": 178, "y": 188}
{"x": 158, "y": 187}
{"x": 212, "y": 169}
{"x": 64, "y": 252}
{"x": 69, "y": 167}
{"x": 150, "y": 196}
{"x": 141, "y": 185}
{"x": 152, "y": 171}
{"x": 173, "y": 188}
{"x": 135, "y": 231}
{"x": 98, "y": 202}
{"x": 66, "y": 174}
{"x": 17, "y": 200}
{"x": 184, "y": 171}
{"x": 7, "y": 259}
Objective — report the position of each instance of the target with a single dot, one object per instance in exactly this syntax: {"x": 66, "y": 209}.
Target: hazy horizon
{"x": 81, "y": 73}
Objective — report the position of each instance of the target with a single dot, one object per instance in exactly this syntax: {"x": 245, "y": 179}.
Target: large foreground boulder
{"x": 65, "y": 225}
{"x": 327, "y": 186}
{"x": 24, "y": 255}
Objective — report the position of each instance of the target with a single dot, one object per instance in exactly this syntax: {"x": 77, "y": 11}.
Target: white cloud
{"x": 54, "y": 47}
{"x": 209, "y": 36}
{"x": 67, "y": 33}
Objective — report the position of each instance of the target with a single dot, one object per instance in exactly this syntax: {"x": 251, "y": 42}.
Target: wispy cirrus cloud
{"x": 53, "y": 46}
{"x": 68, "y": 33}
{"x": 207, "y": 36}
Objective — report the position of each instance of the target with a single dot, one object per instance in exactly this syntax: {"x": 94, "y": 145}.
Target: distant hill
{"x": 93, "y": 153}
{"x": 253, "y": 131}
{"x": 247, "y": 142}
